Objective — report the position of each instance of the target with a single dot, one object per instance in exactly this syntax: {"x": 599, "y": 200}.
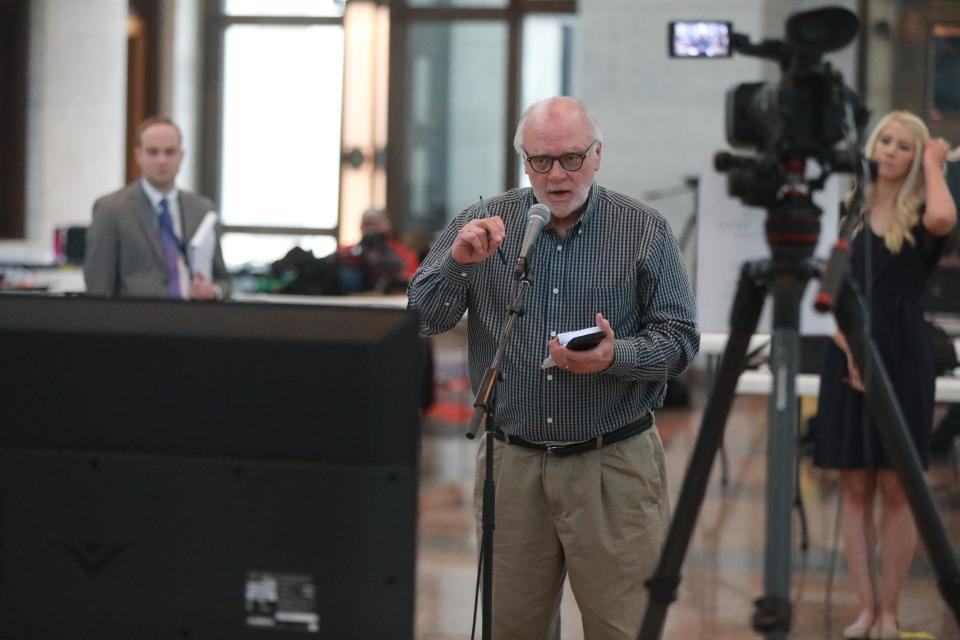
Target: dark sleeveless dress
{"x": 842, "y": 440}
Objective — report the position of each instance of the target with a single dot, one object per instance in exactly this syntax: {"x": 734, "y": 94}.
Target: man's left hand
{"x": 590, "y": 361}
{"x": 202, "y": 289}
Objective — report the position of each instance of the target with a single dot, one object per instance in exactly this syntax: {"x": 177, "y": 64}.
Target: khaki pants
{"x": 602, "y": 516}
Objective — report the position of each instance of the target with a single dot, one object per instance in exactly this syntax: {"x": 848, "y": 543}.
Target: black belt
{"x": 566, "y": 449}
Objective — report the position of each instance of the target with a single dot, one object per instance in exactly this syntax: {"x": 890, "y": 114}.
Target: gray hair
{"x": 557, "y": 103}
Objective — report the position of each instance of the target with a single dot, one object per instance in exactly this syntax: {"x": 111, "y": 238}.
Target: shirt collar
{"x": 588, "y": 213}
{"x": 154, "y": 196}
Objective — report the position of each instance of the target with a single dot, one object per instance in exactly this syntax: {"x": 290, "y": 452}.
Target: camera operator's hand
{"x": 590, "y": 361}
{"x": 478, "y": 240}
{"x": 934, "y": 153}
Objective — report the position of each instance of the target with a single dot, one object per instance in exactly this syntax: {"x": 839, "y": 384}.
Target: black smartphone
{"x": 585, "y": 342}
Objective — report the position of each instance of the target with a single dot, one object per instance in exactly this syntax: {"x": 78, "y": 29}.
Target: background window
{"x": 945, "y": 71}
{"x": 462, "y": 72}
{"x": 456, "y": 123}
{"x": 548, "y": 54}
{"x": 313, "y": 8}
{"x": 457, "y": 3}
{"x": 242, "y": 249}
{"x": 280, "y": 164}
{"x": 274, "y": 126}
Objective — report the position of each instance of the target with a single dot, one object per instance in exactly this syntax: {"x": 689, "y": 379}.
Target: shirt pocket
{"x": 618, "y": 305}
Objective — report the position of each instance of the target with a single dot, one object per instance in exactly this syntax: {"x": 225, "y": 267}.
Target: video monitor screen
{"x": 699, "y": 39}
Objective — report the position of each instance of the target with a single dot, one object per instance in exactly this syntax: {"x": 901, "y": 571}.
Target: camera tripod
{"x": 792, "y": 228}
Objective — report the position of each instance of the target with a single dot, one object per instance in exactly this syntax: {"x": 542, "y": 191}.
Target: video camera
{"x": 802, "y": 117}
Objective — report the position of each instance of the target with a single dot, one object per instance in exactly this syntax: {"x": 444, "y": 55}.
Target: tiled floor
{"x": 723, "y": 571}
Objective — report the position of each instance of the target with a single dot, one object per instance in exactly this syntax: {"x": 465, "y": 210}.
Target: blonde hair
{"x": 913, "y": 190}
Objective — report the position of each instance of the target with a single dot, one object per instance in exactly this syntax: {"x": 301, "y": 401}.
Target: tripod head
{"x": 808, "y": 120}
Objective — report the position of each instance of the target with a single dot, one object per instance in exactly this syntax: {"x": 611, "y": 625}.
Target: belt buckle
{"x": 563, "y": 448}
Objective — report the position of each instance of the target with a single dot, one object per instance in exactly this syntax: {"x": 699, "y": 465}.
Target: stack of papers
{"x": 203, "y": 245}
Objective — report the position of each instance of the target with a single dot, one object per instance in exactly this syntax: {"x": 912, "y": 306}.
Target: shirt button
{"x": 555, "y": 290}
{"x": 549, "y": 377}
{"x": 549, "y": 420}
{"x": 463, "y": 274}
{"x": 559, "y": 248}
{"x": 553, "y": 334}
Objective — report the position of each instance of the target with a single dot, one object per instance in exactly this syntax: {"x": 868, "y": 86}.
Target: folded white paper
{"x": 203, "y": 245}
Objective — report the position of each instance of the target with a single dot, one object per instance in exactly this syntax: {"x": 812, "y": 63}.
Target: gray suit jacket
{"x": 123, "y": 254}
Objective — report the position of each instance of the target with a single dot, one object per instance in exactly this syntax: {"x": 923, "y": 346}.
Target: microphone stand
{"x": 483, "y": 408}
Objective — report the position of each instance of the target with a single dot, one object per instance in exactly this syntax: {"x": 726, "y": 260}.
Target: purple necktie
{"x": 169, "y": 244}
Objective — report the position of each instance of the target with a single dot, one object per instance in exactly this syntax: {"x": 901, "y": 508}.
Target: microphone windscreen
{"x": 540, "y": 211}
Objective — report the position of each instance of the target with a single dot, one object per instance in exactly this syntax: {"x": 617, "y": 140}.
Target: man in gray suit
{"x": 137, "y": 243}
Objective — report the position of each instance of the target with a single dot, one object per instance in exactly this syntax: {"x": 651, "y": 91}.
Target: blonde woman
{"x": 908, "y": 211}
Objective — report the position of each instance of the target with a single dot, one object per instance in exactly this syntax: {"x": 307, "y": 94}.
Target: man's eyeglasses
{"x": 569, "y": 161}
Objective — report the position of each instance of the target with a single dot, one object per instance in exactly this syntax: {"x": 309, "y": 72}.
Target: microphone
{"x": 538, "y": 217}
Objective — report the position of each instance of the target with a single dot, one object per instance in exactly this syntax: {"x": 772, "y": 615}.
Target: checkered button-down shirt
{"x": 621, "y": 259}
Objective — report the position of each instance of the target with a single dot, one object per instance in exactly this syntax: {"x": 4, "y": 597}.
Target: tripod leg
{"x": 892, "y": 427}
{"x": 772, "y": 614}
{"x": 955, "y": 457}
{"x": 724, "y": 465}
{"x": 802, "y": 512}
{"x": 747, "y": 305}
{"x": 798, "y": 505}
